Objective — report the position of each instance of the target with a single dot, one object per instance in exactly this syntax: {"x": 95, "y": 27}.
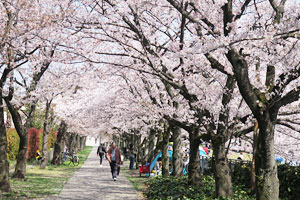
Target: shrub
{"x": 13, "y": 141}
{"x": 33, "y": 142}
{"x": 289, "y": 178}
{"x": 241, "y": 174}
{"x": 178, "y": 188}
{"x": 35, "y": 138}
{"x": 52, "y": 138}
{"x": 41, "y": 139}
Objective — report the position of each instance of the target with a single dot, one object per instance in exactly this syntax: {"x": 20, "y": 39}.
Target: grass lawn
{"x": 139, "y": 183}
{"x": 40, "y": 183}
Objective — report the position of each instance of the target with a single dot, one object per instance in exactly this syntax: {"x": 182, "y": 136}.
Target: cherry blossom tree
{"x": 226, "y": 36}
{"x": 251, "y": 41}
{"x": 35, "y": 31}
{"x": 140, "y": 49}
{"x": 14, "y": 53}
{"x": 215, "y": 69}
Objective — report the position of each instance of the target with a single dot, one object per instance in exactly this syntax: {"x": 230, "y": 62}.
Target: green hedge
{"x": 13, "y": 141}
{"x": 177, "y": 188}
{"x": 52, "y": 138}
{"x": 241, "y": 174}
{"x": 289, "y": 179}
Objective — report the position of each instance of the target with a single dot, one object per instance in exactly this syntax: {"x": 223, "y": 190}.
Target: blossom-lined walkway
{"x": 92, "y": 182}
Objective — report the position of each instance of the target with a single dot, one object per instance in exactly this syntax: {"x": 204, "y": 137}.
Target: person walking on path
{"x": 132, "y": 155}
{"x": 100, "y": 152}
{"x": 92, "y": 182}
{"x": 114, "y": 159}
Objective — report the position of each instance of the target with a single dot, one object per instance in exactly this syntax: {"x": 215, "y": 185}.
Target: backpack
{"x": 100, "y": 150}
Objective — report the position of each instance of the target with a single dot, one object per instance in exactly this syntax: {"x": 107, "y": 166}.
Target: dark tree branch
{"x": 289, "y": 113}
{"x": 290, "y": 127}
{"x": 185, "y": 126}
{"x": 227, "y": 16}
{"x": 215, "y": 64}
{"x": 290, "y": 97}
{"x": 240, "y": 69}
{"x": 246, "y": 3}
{"x": 283, "y": 81}
{"x": 245, "y": 131}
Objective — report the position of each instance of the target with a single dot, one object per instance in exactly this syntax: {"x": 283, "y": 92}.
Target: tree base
{"x": 194, "y": 181}
{"x": 267, "y": 185}
{"x": 43, "y": 164}
{"x": 5, "y": 186}
{"x": 18, "y": 175}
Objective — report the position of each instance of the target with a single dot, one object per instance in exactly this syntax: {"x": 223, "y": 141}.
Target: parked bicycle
{"x": 71, "y": 158}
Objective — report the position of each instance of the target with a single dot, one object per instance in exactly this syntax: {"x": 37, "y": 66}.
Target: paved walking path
{"x": 93, "y": 182}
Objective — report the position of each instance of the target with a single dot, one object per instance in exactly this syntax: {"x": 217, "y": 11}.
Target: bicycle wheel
{"x": 76, "y": 160}
{"x": 67, "y": 161}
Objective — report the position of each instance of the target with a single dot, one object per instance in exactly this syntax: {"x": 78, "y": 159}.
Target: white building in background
{"x": 92, "y": 141}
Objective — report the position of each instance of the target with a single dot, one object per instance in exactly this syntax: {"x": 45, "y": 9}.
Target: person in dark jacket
{"x": 132, "y": 156}
{"x": 100, "y": 152}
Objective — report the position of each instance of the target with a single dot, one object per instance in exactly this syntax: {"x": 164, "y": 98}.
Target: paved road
{"x": 93, "y": 182}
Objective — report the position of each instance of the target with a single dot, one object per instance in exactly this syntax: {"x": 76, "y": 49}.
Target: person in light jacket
{"x": 114, "y": 159}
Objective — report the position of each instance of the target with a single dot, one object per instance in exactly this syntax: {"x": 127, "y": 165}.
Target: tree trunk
{"x": 144, "y": 150}
{"x": 116, "y": 139}
{"x": 122, "y": 140}
{"x": 81, "y": 142}
{"x": 67, "y": 140}
{"x": 4, "y": 166}
{"x": 59, "y": 145}
{"x": 74, "y": 142}
{"x": 78, "y": 143}
{"x": 165, "y": 152}
{"x": 84, "y": 141}
{"x": 267, "y": 183}
{"x": 255, "y": 134}
{"x": 45, "y": 138}
{"x": 132, "y": 139}
{"x": 71, "y": 142}
{"x": 177, "y": 161}
{"x": 151, "y": 145}
{"x": 194, "y": 176}
{"x": 8, "y": 120}
{"x": 158, "y": 146}
{"x": 45, "y": 149}
{"x": 22, "y": 131}
{"x": 20, "y": 168}
{"x": 221, "y": 168}
{"x": 139, "y": 150}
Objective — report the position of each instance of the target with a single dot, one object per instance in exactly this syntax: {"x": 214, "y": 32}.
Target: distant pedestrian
{"x": 132, "y": 155}
{"x": 100, "y": 152}
{"x": 114, "y": 159}
{"x": 65, "y": 153}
